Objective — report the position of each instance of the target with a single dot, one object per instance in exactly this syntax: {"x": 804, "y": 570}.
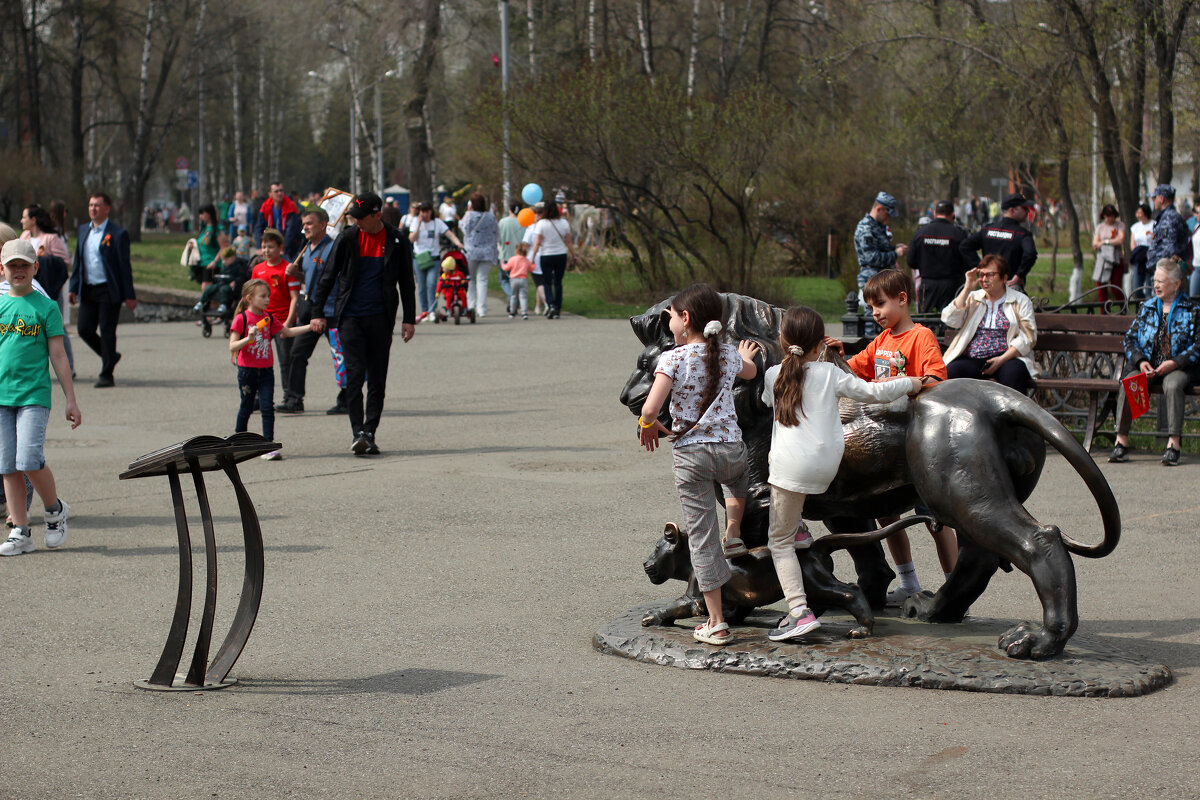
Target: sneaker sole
{"x": 792, "y": 633}
{"x": 21, "y": 552}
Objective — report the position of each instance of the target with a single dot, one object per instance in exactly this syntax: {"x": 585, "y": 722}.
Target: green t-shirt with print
{"x": 26, "y": 325}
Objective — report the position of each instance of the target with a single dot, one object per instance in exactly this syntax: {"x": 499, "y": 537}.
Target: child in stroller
{"x": 228, "y": 276}
{"x": 452, "y": 289}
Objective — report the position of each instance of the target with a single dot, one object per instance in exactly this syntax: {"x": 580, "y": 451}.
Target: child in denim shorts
{"x": 31, "y": 331}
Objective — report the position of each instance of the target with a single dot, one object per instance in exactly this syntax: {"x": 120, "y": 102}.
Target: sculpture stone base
{"x": 902, "y": 652}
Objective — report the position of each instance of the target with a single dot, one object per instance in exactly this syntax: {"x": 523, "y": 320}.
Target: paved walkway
{"x": 427, "y": 619}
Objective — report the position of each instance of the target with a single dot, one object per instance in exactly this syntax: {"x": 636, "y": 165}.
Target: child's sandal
{"x": 734, "y": 547}
{"x": 707, "y": 634}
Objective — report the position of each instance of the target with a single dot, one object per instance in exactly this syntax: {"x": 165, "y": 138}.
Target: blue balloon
{"x": 532, "y": 193}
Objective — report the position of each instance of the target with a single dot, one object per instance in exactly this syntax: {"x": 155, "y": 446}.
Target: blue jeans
{"x": 427, "y": 284}
{"x": 22, "y": 436}
{"x": 257, "y": 385}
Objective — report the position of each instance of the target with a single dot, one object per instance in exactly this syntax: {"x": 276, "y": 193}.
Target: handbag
{"x": 191, "y": 254}
{"x": 1106, "y": 260}
{"x": 424, "y": 260}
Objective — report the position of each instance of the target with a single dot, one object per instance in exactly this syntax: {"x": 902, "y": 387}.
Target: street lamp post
{"x": 506, "y": 169}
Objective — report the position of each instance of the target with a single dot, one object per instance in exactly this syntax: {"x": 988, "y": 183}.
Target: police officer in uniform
{"x": 1005, "y": 236}
{"x": 934, "y": 253}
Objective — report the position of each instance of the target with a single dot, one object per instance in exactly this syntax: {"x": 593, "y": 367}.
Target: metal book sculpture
{"x": 198, "y": 455}
{"x": 972, "y": 450}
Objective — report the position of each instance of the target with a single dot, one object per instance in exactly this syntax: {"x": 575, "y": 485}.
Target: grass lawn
{"x": 155, "y": 261}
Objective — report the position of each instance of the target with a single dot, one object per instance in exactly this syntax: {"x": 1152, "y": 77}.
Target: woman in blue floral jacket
{"x": 1164, "y": 343}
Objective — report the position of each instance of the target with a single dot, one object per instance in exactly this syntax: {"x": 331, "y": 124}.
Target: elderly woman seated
{"x": 996, "y": 328}
{"x": 1164, "y": 343}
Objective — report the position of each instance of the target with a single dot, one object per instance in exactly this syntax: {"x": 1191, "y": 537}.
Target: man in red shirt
{"x": 285, "y": 291}
{"x": 280, "y": 212}
{"x": 371, "y": 264}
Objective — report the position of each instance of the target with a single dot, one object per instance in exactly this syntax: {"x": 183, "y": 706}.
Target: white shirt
{"x": 447, "y": 211}
{"x": 1140, "y": 231}
{"x": 805, "y": 457}
{"x": 537, "y": 259}
{"x": 687, "y": 367}
{"x": 427, "y": 235}
{"x": 553, "y": 233}
{"x": 93, "y": 267}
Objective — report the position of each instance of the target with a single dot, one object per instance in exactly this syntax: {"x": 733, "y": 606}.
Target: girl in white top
{"x": 807, "y": 445}
{"x": 697, "y": 375}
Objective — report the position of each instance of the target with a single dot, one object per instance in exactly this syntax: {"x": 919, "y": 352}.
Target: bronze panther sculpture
{"x": 974, "y": 450}
{"x": 754, "y": 582}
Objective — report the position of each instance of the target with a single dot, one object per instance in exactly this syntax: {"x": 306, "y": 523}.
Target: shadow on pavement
{"x": 406, "y": 681}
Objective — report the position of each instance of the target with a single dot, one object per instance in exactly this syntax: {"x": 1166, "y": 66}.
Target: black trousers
{"x": 366, "y": 347}
{"x": 302, "y": 350}
{"x": 98, "y": 309}
{"x": 936, "y": 293}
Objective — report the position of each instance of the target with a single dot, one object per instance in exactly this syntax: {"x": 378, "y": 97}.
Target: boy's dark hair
{"x": 274, "y": 235}
{"x": 889, "y": 283}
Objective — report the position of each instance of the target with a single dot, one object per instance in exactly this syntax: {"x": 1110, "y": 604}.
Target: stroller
{"x": 224, "y": 290}
{"x": 452, "y": 289}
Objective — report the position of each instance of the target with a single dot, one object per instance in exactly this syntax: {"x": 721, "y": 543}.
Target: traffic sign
{"x": 193, "y": 179}
{"x": 181, "y": 163}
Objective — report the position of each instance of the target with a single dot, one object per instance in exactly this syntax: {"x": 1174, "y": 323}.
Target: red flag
{"x": 1137, "y": 394}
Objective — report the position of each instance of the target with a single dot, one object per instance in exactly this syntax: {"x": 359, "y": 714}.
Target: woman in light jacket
{"x": 996, "y": 328}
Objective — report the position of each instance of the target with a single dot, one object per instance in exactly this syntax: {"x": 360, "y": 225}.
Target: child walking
{"x": 518, "y": 268}
{"x": 807, "y": 445}
{"x": 903, "y": 348}
{"x": 252, "y": 328}
{"x": 697, "y": 375}
{"x": 31, "y": 331}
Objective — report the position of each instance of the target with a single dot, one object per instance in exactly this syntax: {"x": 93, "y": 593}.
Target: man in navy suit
{"x": 101, "y": 280}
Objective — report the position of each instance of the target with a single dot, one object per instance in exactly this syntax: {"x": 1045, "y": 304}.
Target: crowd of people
{"x": 976, "y": 282}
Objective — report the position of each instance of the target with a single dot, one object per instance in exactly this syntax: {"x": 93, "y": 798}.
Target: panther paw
{"x": 1029, "y": 641}
{"x": 858, "y": 632}
{"x": 654, "y": 619}
{"x": 918, "y": 606}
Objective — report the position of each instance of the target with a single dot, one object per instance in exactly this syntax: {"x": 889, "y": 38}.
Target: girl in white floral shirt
{"x": 698, "y": 375}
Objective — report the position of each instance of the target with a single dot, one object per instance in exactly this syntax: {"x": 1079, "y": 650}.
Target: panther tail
{"x": 840, "y": 541}
{"x": 1018, "y": 409}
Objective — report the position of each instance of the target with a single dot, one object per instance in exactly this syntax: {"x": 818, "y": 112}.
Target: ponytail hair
{"x": 703, "y": 305}
{"x": 801, "y": 330}
{"x": 248, "y": 289}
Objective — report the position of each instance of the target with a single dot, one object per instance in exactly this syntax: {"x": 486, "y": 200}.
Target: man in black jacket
{"x": 934, "y": 254}
{"x": 371, "y": 264}
{"x": 1005, "y": 236}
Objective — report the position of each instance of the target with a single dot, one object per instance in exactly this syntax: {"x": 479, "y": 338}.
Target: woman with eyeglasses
{"x": 996, "y": 328}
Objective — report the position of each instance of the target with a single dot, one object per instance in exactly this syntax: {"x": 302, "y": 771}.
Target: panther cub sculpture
{"x": 974, "y": 450}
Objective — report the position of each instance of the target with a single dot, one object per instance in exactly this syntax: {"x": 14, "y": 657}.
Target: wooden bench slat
{"x": 1080, "y": 342}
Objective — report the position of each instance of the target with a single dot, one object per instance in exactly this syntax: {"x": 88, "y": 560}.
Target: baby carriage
{"x": 218, "y": 299}
{"x": 452, "y": 289}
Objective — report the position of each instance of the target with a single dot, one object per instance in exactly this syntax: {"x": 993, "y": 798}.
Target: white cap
{"x": 18, "y": 250}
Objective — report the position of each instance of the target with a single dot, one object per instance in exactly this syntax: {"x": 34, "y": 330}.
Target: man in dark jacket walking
{"x": 371, "y": 265}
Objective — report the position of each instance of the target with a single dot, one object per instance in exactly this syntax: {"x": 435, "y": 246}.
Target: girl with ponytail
{"x": 807, "y": 445}
{"x": 697, "y": 376}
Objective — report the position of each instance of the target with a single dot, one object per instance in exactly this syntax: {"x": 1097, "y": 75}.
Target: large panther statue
{"x": 973, "y": 450}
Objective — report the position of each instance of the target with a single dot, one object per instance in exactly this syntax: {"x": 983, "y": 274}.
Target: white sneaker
{"x": 274, "y": 455}
{"x": 56, "y": 526}
{"x": 897, "y": 596}
{"x": 19, "y": 541}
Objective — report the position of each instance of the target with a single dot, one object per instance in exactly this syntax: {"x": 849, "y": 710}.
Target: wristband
{"x": 643, "y": 424}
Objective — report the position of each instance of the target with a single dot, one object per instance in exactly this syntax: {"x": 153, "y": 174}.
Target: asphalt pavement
{"x": 426, "y": 625}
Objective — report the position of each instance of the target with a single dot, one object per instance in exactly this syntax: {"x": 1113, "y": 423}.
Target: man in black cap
{"x": 935, "y": 255}
{"x": 1005, "y": 236}
{"x": 1171, "y": 236}
{"x": 371, "y": 265}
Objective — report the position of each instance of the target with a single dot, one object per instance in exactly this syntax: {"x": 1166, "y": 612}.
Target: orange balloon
{"x": 526, "y": 217}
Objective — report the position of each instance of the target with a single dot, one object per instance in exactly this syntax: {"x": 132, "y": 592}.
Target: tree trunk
{"x": 239, "y": 171}
{"x": 32, "y": 83}
{"x": 695, "y": 47}
{"x": 645, "y": 38}
{"x": 1166, "y": 34}
{"x": 134, "y": 191}
{"x": 1064, "y": 185}
{"x": 420, "y": 178}
{"x": 75, "y": 81}
{"x": 532, "y": 31}
{"x": 260, "y": 152}
{"x": 591, "y": 31}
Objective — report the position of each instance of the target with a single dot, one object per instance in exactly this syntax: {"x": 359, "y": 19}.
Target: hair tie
{"x": 796, "y": 351}
{"x": 713, "y": 328}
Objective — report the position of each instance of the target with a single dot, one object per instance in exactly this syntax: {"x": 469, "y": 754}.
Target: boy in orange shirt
{"x": 903, "y": 348}
{"x": 285, "y": 291}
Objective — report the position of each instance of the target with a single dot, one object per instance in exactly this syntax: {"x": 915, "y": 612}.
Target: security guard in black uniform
{"x": 1005, "y": 236}
{"x": 934, "y": 253}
